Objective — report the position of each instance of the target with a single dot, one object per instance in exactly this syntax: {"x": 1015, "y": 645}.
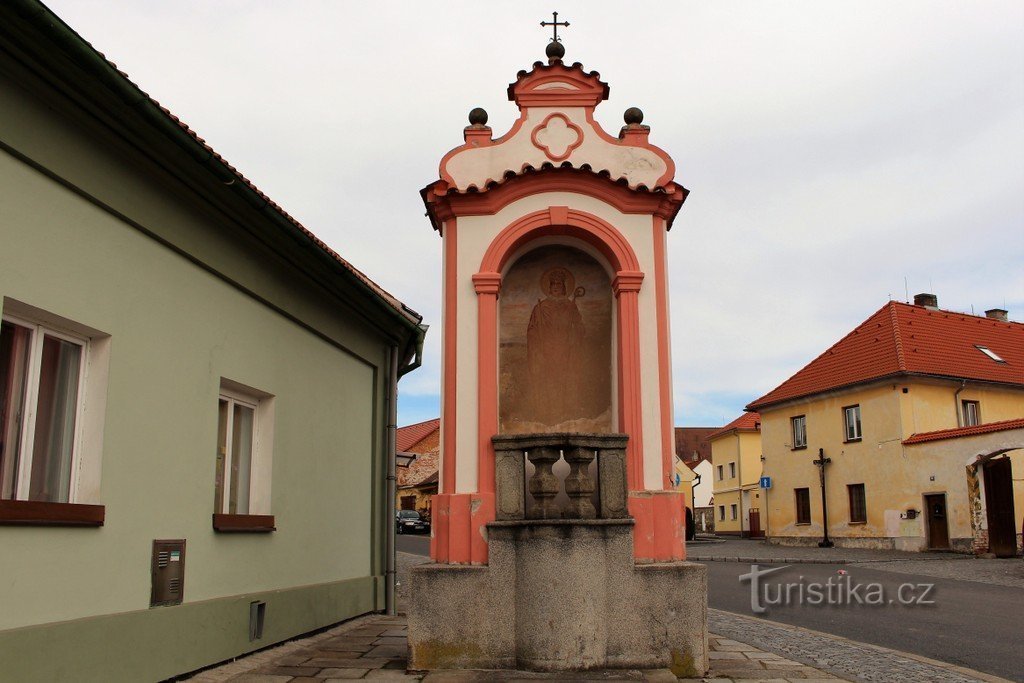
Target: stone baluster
{"x": 544, "y": 484}
{"x": 579, "y": 487}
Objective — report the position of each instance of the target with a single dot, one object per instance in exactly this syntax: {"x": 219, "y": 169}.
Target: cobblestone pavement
{"x": 376, "y": 647}
{"x": 1006, "y": 572}
{"x": 839, "y": 656}
{"x": 741, "y": 649}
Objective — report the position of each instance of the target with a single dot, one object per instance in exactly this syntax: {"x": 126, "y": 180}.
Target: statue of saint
{"x": 554, "y": 340}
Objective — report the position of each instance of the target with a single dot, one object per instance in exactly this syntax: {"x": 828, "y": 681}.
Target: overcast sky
{"x": 832, "y": 150}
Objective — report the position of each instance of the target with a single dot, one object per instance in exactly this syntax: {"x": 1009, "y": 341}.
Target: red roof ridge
{"x": 901, "y": 361}
{"x": 957, "y": 432}
{"x": 925, "y": 342}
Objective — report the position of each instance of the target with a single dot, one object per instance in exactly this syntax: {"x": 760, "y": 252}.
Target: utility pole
{"x": 821, "y": 462}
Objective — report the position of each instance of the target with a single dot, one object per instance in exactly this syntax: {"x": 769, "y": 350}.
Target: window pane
{"x": 222, "y": 454}
{"x": 241, "y": 459}
{"x": 15, "y": 342}
{"x": 56, "y": 410}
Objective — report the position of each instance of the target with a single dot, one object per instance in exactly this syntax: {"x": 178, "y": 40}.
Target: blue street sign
{"x": 766, "y": 482}
{"x": 679, "y": 479}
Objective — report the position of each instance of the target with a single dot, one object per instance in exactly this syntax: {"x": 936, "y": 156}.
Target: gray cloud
{"x": 831, "y": 149}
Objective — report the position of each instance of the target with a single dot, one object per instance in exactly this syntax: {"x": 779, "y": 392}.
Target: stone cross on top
{"x": 554, "y": 27}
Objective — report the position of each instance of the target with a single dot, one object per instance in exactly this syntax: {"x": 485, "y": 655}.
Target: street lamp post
{"x": 821, "y": 462}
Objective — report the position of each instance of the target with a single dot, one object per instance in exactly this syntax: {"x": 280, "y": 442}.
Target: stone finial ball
{"x": 478, "y": 116}
{"x": 633, "y": 115}
{"x": 555, "y": 50}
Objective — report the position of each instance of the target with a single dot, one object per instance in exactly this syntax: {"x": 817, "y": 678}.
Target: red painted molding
{"x": 38, "y": 513}
{"x": 627, "y": 281}
{"x": 449, "y": 351}
{"x": 579, "y": 224}
{"x": 487, "y": 283}
{"x": 244, "y": 523}
{"x": 544, "y": 148}
{"x": 587, "y": 89}
{"x": 664, "y": 351}
{"x": 442, "y": 202}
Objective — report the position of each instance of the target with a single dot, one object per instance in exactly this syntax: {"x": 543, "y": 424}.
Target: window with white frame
{"x": 243, "y": 457}
{"x": 732, "y": 470}
{"x": 732, "y": 511}
{"x": 851, "y": 422}
{"x": 721, "y": 472}
{"x": 721, "y": 512}
{"x": 42, "y": 371}
{"x": 971, "y": 413}
{"x": 798, "y": 425}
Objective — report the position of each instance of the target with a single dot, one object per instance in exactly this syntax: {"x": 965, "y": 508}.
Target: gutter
{"x": 391, "y": 439}
{"x": 956, "y": 403}
{"x": 95, "y": 65}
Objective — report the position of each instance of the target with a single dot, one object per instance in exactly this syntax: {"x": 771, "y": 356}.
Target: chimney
{"x": 926, "y": 300}
{"x": 997, "y": 314}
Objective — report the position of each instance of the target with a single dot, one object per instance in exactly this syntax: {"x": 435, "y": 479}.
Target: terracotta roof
{"x": 746, "y": 422}
{"x": 903, "y": 339}
{"x": 410, "y": 435}
{"x": 957, "y": 432}
{"x": 690, "y": 440}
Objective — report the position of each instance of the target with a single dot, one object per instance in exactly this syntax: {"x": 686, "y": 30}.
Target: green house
{"x": 195, "y": 391}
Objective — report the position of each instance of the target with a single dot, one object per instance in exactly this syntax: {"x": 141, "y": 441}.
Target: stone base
{"x": 559, "y": 595}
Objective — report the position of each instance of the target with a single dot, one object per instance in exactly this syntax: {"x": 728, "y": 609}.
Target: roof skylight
{"x": 989, "y": 352}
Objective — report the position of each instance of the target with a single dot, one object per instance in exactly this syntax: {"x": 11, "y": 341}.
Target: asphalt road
{"x": 970, "y": 624}
{"x": 417, "y": 544}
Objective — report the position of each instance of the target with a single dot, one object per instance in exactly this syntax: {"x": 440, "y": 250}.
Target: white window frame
{"x": 261, "y": 459}
{"x": 793, "y": 422}
{"x": 721, "y": 512}
{"x": 23, "y": 477}
{"x": 971, "y": 412}
{"x": 732, "y": 470}
{"x": 721, "y": 472}
{"x": 857, "y": 428}
{"x": 733, "y": 512}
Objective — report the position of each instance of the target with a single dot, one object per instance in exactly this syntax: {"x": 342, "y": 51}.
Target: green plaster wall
{"x": 159, "y": 643}
{"x": 96, "y": 233}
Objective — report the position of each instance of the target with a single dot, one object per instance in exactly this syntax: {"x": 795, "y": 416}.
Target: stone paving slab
{"x": 741, "y": 649}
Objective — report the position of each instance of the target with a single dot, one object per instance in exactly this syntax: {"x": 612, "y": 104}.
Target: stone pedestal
{"x": 559, "y": 595}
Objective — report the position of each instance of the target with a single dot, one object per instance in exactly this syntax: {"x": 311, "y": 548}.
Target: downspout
{"x": 392, "y": 480}
{"x": 739, "y": 475}
{"x": 956, "y": 403}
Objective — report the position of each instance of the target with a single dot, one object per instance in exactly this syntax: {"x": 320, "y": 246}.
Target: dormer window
{"x": 989, "y": 352}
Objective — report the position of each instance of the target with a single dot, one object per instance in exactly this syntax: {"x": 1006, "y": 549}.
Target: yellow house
{"x": 918, "y": 415}
{"x": 736, "y": 471}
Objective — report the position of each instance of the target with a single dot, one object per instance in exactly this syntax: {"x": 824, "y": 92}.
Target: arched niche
{"x": 555, "y": 366}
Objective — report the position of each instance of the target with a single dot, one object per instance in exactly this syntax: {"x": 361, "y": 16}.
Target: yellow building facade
{"x": 909, "y": 455}
{"x": 736, "y": 472}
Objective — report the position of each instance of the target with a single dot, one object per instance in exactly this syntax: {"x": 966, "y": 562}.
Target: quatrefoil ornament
{"x": 557, "y": 137}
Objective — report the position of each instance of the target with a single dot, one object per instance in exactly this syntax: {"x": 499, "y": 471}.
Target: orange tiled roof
{"x": 903, "y": 339}
{"x": 410, "y": 435}
{"x": 957, "y": 432}
{"x": 746, "y": 422}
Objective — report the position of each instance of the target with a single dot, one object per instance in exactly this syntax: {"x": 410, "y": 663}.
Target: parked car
{"x": 409, "y": 521}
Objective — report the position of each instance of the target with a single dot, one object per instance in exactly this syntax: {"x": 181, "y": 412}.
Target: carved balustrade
{"x": 560, "y": 476}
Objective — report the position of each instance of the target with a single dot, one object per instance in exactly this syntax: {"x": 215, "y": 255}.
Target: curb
{"x": 826, "y": 560}
{"x": 962, "y": 670}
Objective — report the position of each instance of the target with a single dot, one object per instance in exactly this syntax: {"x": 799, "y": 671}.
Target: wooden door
{"x": 1002, "y": 534}
{"x": 755, "y": 523}
{"x": 938, "y": 524}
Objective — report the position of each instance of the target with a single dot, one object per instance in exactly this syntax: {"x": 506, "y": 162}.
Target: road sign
{"x": 766, "y": 482}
